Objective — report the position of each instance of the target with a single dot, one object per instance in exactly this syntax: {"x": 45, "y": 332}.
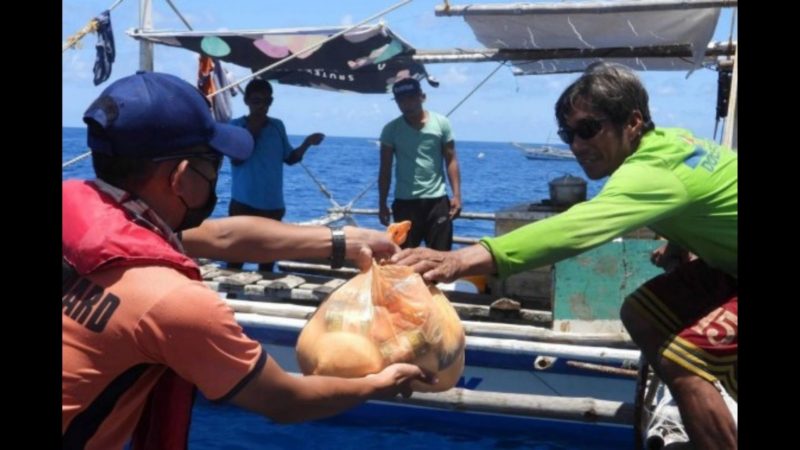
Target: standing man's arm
{"x": 384, "y": 180}
{"x": 297, "y": 154}
{"x": 454, "y": 175}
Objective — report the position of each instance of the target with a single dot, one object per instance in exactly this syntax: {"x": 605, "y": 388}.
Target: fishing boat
{"x": 532, "y": 353}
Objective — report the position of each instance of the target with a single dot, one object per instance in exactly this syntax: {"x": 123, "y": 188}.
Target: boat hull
{"x": 492, "y": 364}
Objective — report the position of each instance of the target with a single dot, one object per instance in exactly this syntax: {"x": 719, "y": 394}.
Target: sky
{"x": 507, "y": 108}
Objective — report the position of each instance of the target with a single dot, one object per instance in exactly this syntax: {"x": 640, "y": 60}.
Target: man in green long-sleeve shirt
{"x": 684, "y": 188}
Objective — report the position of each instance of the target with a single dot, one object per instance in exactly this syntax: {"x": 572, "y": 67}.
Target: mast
{"x": 145, "y": 24}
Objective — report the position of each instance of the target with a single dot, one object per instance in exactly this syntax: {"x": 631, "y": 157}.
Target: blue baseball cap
{"x": 406, "y": 86}
{"x": 152, "y": 114}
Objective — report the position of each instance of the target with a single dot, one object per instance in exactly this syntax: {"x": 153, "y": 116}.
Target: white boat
{"x": 547, "y": 152}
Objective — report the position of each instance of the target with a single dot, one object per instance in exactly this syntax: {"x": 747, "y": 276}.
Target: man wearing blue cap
{"x": 422, "y": 143}
{"x": 140, "y": 331}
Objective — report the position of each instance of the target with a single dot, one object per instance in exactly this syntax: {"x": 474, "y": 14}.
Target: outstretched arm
{"x": 454, "y": 175}
{"x": 297, "y": 154}
{"x": 250, "y": 238}
{"x": 285, "y": 398}
{"x": 436, "y": 265}
{"x": 384, "y": 181}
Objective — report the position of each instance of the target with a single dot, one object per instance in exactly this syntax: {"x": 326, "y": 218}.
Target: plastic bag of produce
{"x": 380, "y": 317}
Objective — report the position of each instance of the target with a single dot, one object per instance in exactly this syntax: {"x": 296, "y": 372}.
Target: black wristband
{"x": 338, "y": 248}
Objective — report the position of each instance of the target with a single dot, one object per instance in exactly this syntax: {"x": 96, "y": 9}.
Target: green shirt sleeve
{"x": 447, "y": 131}
{"x": 387, "y": 137}
{"x": 635, "y": 196}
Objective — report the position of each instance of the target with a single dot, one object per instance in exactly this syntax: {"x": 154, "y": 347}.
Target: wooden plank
{"x": 540, "y": 334}
{"x": 242, "y": 278}
{"x": 294, "y": 289}
{"x": 328, "y": 287}
{"x": 603, "y": 368}
{"x": 284, "y": 283}
{"x": 484, "y": 313}
{"x": 317, "y": 269}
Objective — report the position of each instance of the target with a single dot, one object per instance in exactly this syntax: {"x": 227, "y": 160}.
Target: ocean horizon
{"x": 494, "y": 176}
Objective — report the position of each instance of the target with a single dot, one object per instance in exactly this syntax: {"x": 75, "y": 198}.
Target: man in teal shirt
{"x": 422, "y": 143}
{"x": 686, "y": 189}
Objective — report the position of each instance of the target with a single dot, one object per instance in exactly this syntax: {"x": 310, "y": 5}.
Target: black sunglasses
{"x": 585, "y": 129}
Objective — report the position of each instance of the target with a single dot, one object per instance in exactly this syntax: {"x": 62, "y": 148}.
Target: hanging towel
{"x": 105, "y": 48}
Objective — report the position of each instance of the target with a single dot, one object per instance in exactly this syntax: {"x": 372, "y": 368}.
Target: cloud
{"x": 666, "y": 89}
{"x": 183, "y": 67}
{"x": 347, "y": 20}
{"x": 159, "y": 17}
{"x": 556, "y": 84}
{"x": 77, "y": 68}
{"x": 199, "y": 20}
{"x": 428, "y": 20}
{"x": 454, "y": 75}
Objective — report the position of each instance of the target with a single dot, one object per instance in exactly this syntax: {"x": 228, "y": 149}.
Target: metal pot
{"x": 567, "y": 190}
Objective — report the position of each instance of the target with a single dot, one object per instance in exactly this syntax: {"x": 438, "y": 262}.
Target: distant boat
{"x": 547, "y": 152}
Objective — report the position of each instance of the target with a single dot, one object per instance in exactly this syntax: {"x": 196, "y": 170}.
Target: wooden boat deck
{"x": 298, "y": 295}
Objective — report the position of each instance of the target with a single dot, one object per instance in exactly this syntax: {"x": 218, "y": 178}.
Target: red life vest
{"x": 98, "y": 233}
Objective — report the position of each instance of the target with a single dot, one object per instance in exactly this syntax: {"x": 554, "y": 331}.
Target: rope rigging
{"x": 90, "y": 27}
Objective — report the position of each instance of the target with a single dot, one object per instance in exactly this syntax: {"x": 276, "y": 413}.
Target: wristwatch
{"x": 337, "y": 248}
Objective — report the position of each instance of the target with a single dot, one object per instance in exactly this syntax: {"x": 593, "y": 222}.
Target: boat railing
{"x": 341, "y": 212}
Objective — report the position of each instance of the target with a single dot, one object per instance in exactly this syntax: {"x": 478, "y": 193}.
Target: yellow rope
{"x": 90, "y": 27}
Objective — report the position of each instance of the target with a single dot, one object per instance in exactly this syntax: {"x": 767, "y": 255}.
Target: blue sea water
{"x": 495, "y": 176}
{"x": 375, "y": 426}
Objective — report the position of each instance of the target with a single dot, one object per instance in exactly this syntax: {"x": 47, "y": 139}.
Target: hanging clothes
{"x": 204, "y": 81}
{"x": 211, "y": 76}
{"x": 223, "y": 108}
{"x": 105, "y": 48}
